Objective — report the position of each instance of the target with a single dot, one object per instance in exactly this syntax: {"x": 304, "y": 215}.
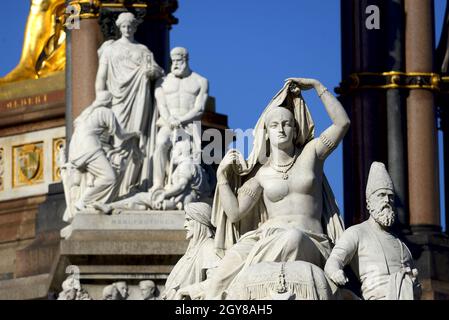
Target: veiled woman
{"x": 284, "y": 209}
{"x": 126, "y": 70}
{"x": 200, "y": 256}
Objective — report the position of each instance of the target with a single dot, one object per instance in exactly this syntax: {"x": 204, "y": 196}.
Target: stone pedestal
{"x": 34, "y": 263}
{"x": 31, "y": 134}
{"x": 431, "y": 254}
{"x": 131, "y": 247}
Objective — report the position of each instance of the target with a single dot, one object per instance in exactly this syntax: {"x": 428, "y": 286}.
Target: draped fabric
{"x": 228, "y": 233}
{"x": 301, "y": 281}
{"x": 400, "y": 287}
{"x": 130, "y": 86}
{"x": 192, "y": 267}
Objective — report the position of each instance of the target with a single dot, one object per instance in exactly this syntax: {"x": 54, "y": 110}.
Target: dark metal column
{"x": 156, "y": 17}
{"x": 396, "y": 113}
{"x": 363, "y": 50}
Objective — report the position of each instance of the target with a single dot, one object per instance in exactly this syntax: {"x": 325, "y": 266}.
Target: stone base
{"x": 431, "y": 254}
{"x": 129, "y": 220}
{"x": 132, "y": 246}
{"x": 34, "y": 287}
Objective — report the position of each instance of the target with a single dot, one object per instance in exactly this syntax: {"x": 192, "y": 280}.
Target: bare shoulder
{"x": 199, "y": 78}
{"x": 261, "y": 174}
{"x": 253, "y": 183}
{"x": 185, "y": 169}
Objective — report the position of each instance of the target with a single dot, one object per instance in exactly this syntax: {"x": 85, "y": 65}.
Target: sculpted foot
{"x": 104, "y": 208}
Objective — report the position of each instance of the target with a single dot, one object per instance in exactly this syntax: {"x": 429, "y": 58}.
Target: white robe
{"x": 130, "y": 86}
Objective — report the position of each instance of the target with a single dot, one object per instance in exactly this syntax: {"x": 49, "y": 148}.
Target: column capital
{"x": 85, "y": 9}
{"x": 143, "y": 9}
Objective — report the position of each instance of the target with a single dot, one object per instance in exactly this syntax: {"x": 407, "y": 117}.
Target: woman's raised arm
{"x": 331, "y": 137}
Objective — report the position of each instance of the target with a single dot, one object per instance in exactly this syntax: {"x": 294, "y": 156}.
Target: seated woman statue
{"x": 282, "y": 198}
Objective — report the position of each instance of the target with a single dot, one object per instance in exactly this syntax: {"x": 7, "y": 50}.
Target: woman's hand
{"x": 304, "y": 83}
{"x": 232, "y": 159}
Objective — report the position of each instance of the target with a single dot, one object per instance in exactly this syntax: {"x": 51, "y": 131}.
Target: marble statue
{"x": 122, "y": 288}
{"x": 110, "y": 292}
{"x": 90, "y": 170}
{"x": 283, "y": 196}
{"x": 116, "y": 291}
{"x": 148, "y": 290}
{"x": 382, "y": 262}
{"x": 189, "y": 183}
{"x": 181, "y": 99}
{"x": 126, "y": 69}
{"x": 200, "y": 257}
{"x": 72, "y": 290}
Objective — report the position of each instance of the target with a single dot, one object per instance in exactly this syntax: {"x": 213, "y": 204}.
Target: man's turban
{"x": 199, "y": 211}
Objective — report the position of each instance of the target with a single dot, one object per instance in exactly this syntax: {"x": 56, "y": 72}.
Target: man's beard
{"x": 178, "y": 72}
{"x": 385, "y": 217}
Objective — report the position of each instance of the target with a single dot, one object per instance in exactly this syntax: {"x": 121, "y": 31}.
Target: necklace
{"x": 285, "y": 167}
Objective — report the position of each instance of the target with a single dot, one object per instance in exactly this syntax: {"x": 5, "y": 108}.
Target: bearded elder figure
{"x": 283, "y": 197}
{"x": 382, "y": 262}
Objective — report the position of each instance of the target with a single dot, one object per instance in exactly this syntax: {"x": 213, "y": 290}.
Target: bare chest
{"x": 173, "y": 86}
{"x": 301, "y": 180}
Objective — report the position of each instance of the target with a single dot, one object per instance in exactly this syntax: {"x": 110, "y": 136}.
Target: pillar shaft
{"x": 363, "y": 50}
{"x": 421, "y": 120}
{"x": 396, "y": 122}
{"x": 84, "y": 63}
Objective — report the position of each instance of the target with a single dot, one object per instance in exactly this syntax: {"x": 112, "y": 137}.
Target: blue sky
{"x": 246, "y": 49}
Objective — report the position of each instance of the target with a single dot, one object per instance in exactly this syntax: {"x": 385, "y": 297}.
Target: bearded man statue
{"x": 381, "y": 261}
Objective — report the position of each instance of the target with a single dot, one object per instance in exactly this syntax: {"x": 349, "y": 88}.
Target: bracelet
{"x": 323, "y": 92}
{"x": 327, "y": 142}
{"x": 247, "y": 192}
